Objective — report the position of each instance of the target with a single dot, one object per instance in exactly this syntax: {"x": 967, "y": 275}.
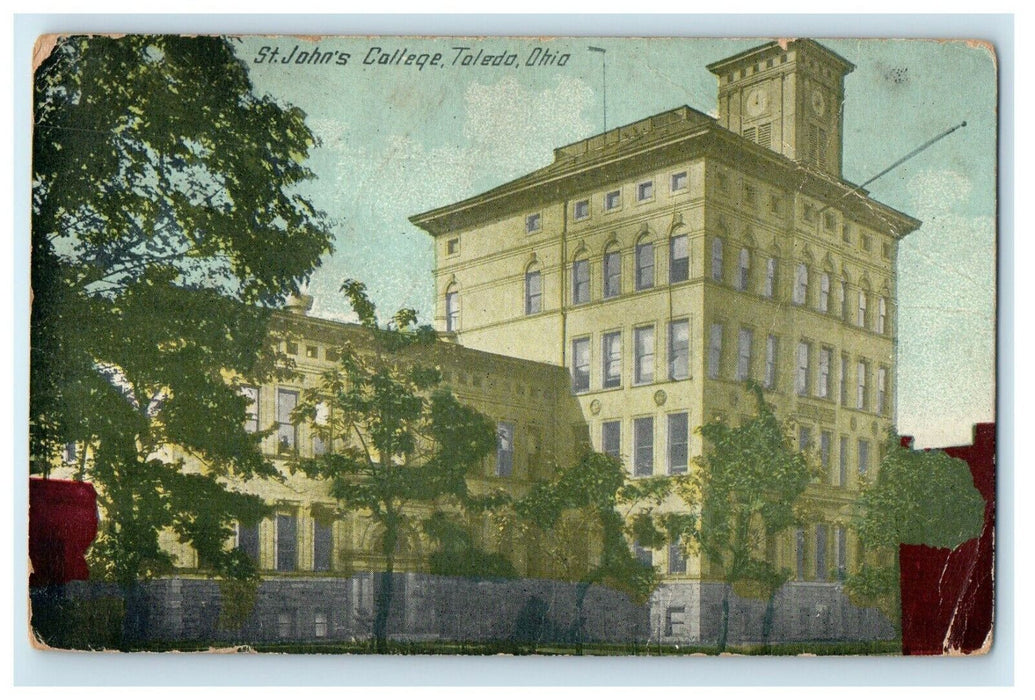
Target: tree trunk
{"x": 724, "y": 625}
{"x": 382, "y": 609}
{"x": 767, "y": 621}
{"x": 580, "y": 599}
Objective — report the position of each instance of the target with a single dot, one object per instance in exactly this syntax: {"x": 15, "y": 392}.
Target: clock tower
{"x": 787, "y": 96}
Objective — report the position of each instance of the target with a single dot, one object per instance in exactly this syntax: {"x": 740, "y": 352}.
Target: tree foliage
{"x": 399, "y": 447}
{"x": 747, "y": 486}
{"x": 919, "y": 497}
{"x": 166, "y": 222}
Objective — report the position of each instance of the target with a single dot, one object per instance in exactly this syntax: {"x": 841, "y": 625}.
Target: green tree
{"x": 747, "y": 487}
{"x": 919, "y": 497}
{"x": 578, "y": 523}
{"x": 165, "y": 224}
{"x": 399, "y": 447}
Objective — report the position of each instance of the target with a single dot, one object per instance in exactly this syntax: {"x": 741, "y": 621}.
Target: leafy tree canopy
{"x": 919, "y": 497}
{"x": 398, "y": 446}
{"x": 165, "y": 224}
{"x": 747, "y": 486}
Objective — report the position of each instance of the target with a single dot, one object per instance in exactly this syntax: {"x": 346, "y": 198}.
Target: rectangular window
{"x": 824, "y": 292}
{"x": 861, "y": 372}
{"x": 750, "y": 195}
{"x": 248, "y": 540}
{"x": 825, "y": 439}
{"x": 611, "y": 438}
{"x": 643, "y": 457}
{"x": 842, "y": 464}
{"x": 801, "y": 284}
{"x": 770, "y": 278}
{"x": 678, "y": 350}
{"x": 644, "y": 349}
{"x": 864, "y": 243}
{"x": 744, "y": 343}
{"x": 612, "y": 274}
{"x": 715, "y": 351}
{"x": 581, "y": 210}
{"x": 776, "y": 205}
{"x": 846, "y": 233}
{"x": 801, "y": 384}
{"x": 821, "y": 552}
{"x": 320, "y": 624}
{"x": 882, "y": 315}
{"x": 504, "y": 448}
{"x": 322, "y": 545}
{"x": 885, "y": 250}
{"x": 645, "y": 191}
{"x": 580, "y": 281}
{"x": 717, "y": 259}
{"x": 611, "y": 352}
{"x": 452, "y": 246}
{"x": 612, "y": 200}
{"x": 312, "y": 352}
{"x": 251, "y": 420}
{"x": 644, "y": 266}
{"x": 744, "y": 270}
{"x": 675, "y": 617}
{"x": 285, "y": 625}
{"x": 643, "y": 555}
{"x": 842, "y": 553}
{"x": 679, "y": 181}
{"x": 678, "y": 443}
{"x": 287, "y": 543}
{"x": 678, "y": 259}
{"x": 804, "y": 438}
{"x": 533, "y": 222}
{"x": 68, "y": 455}
{"x": 321, "y": 417}
{"x": 860, "y": 317}
{"x": 808, "y": 213}
{"x": 676, "y": 559}
{"x": 882, "y": 390}
{"x": 580, "y": 364}
{"x": 829, "y": 220}
{"x": 864, "y": 457}
{"x": 844, "y": 380}
{"x": 772, "y": 346}
{"x": 452, "y": 312}
{"x": 844, "y": 300}
{"x": 533, "y": 292}
{"x": 286, "y": 430}
{"x": 826, "y": 357}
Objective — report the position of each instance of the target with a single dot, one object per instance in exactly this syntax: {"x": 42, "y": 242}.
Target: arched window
{"x": 533, "y": 289}
{"x": 679, "y": 258}
{"x": 580, "y": 280}
{"x": 452, "y": 309}
{"x": 644, "y": 264}
{"x": 882, "y": 315}
{"x": 717, "y": 245}
{"x": 824, "y": 293}
{"x": 771, "y": 269}
{"x": 801, "y": 284}
{"x": 612, "y": 272}
{"x": 743, "y": 269}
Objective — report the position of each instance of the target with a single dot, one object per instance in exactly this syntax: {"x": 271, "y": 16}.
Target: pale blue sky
{"x": 397, "y": 141}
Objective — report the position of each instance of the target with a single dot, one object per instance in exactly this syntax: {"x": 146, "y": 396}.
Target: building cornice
{"x": 668, "y": 137}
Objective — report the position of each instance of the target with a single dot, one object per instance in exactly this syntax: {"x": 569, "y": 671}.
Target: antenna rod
{"x": 900, "y": 161}
{"x": 603, "y": 60}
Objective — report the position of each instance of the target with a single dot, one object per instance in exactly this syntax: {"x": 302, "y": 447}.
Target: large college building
{"x": 667, "y": 262}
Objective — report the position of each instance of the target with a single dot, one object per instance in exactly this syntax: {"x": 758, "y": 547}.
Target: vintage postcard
{"x": 511, "y": 345}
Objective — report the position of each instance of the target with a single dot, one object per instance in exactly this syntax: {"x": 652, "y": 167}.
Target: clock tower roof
{"x": 765, "y": 52}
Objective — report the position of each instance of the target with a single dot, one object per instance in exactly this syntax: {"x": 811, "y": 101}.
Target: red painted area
{"x": 62, "y": 524}
{"x": 948, "y": 595}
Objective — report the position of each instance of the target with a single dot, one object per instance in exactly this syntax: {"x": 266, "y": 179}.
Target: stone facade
{"x": 668, "y": 261}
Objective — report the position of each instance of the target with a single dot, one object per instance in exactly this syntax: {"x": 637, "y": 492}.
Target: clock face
{"x": 757, "y": 101}
{"x": 818, "y": 102}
